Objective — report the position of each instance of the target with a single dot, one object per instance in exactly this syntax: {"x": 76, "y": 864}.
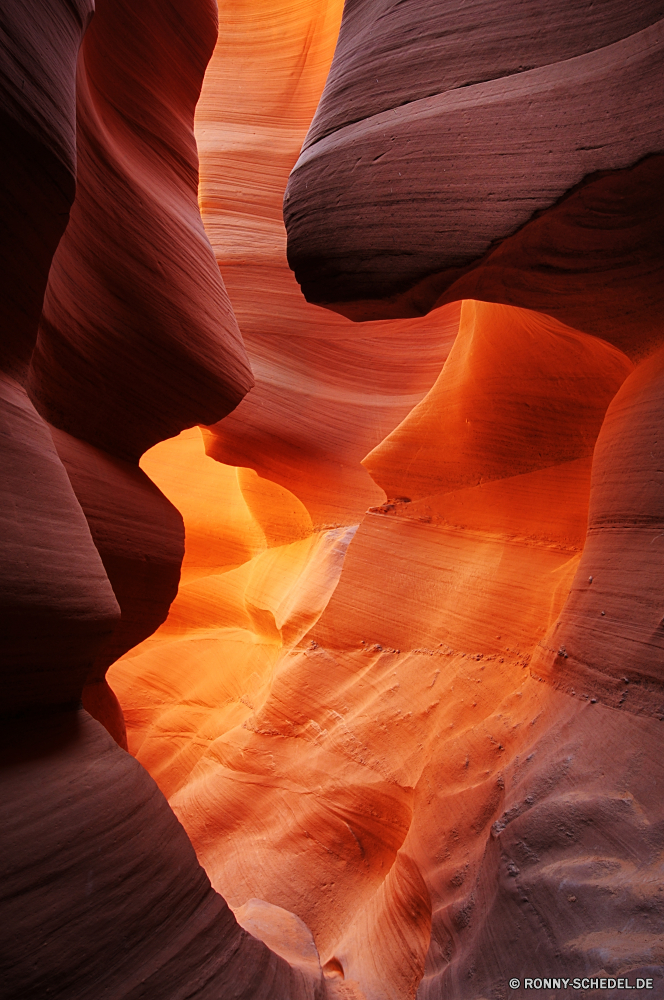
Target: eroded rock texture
{"x": 126, "y": 354}
{"x": 326, "y": 391}
{"x": 417, "y": 748}
{"x": 528, "y": 175}
{"x": 38, "y": 127}
{"x": 102, "y": 893}
{"x": 396, "y": 777}
{"x": 109, "y": 888}
{"x": 405, "y": 191}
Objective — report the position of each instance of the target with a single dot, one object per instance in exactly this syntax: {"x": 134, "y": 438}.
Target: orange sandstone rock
{"x": 519, "y": 392}
{"x": 326, "y": 391}
{"x": 100, "y": 877}
{"x": 102, "y": 891}
{"x": 114, "y": 366}
{"x": 307, "y": 778}
{"x": 608, "y": 639}
{"x": 396, "y": 777}
{"x": 212, "y": 662}
{"x": 408, "y": 195}
{"x": 344, "y": 720}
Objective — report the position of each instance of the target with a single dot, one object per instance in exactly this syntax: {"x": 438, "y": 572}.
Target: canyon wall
{"x": 527, "y": 175}
{"x": 396, "y": 775}
{"x": 381, "y": 620}
{"x": 131, "y": 339}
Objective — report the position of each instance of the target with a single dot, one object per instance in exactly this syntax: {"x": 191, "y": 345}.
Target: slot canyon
{"x": 331, "y": 397}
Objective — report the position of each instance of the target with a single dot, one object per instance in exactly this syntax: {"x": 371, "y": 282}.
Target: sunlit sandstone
{"x": 407, "y": 701}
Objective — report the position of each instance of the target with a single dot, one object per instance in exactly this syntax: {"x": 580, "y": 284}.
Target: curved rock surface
{"x": 57, "y": 604}
{"x": 611, "y": 632}
{"x": 519, "y": 392}
{"x": 212, "y": 662}
{"x": 114, "y": 366}
{"x": 381, "y": 225}
{"x": 327, "y": 391}
{"x": 139, "y": 536}
{"x": 109, "y": 889}
{"x": 367, "y": 783}
{"x": 436, "y": 47}
{"x": 135, "y": 346}
{"x": 102, "y": 892}
{"x": 38, "y": 129}
{"x": 531, "y": 200}
{"x": 402, "y": 782}
{"x": 419, "y": 754}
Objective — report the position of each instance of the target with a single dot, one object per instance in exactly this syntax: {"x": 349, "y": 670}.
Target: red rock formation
{"x": 37, "y": 125}
{"x": 377, "y": 758}
{"x": 536, "y": 854}
{"x": 114, "y": 366}
{"x": 327, "y": 392}
{"x": 609, "y": 638}
{"x": 398, "y": 780}
{"x": 378, "y": 226}
{"x": 57, "y": 604}
{"x": 519, "y": 392}
{"x": 211, "y": 663}
{"x": 106, "y": 886}
{"x": 343, "y": 717}
{"x": 127, "y": 355}
{"x": 102, "y": 892}
{"x": 254, "y": 576}
{"x": 139, "y": 536}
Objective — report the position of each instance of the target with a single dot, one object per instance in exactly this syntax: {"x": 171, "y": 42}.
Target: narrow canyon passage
{"x": 337, "y": 697}
{"x": 331, "y": 415}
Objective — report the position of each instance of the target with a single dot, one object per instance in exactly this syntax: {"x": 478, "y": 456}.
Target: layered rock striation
{"x": 102, "y": 892}
{"x": 406, "y": 191}
{"x": 395, "y": 775}
{"x": 326, "y": 391}
{"x": 529, "y": 177}
{"x": 415, "y": 747}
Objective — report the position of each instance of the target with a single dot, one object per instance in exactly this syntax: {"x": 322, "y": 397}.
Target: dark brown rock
{"x": 58, "y": 607}
{"x": 140, "y": 537}
{"x": 38, "y": 48}
{"x": 392, "y": 53}
{"x": 138, "y": 533}
{"x": 101, "y": 892}
{"x": 405, "y": 209}
{"x": 138, "y": 339}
